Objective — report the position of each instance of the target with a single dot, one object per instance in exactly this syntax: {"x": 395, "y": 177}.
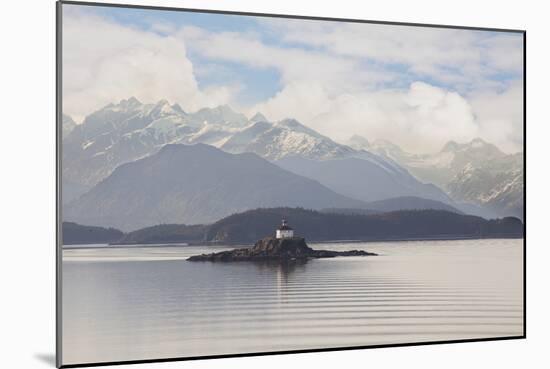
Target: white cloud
{"x": 504, "y": 53}
{"x": 299, "y": 100}
{"x": 446, "y": 55}
{"x": 420, "y": 119}
{"x": 340, "y": 79}
{"x": 501, "y": 116}
{"x": 338, "y": 84}
{"x": 293, "y": 64}
{"x": 105, "y": 62}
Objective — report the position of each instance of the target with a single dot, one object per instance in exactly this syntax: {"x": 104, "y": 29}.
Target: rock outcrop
{"x": 276, "y": 249}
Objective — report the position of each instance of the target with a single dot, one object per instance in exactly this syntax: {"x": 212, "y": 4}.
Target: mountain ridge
{"x": 195, "y": 184}
{"x": 251, "y": 225}
{"x": 129, "y": 130}
{"x": 475, "y": 172}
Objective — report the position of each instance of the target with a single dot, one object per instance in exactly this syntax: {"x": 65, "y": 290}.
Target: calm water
{"x": 149, "y": 302}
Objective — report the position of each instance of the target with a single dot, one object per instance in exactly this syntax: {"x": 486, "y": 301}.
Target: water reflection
{"x": 147, "y": 302}
{"x": 280, "y": 268}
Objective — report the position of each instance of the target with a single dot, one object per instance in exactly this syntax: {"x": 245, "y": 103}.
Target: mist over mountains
{"x": 195, "y": 184}
{"x": 362, "y": 179}
{"x": 130, "y": 165}
{"x": 476, "y": 172}
{"x": 129, "y": 130}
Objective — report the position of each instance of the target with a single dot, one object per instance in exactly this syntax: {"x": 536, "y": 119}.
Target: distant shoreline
{"x": 233, "y": 244}
{"x": 250, "y": 226}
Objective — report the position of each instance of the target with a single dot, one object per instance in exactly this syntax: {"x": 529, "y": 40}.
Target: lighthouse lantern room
{"x": 284, "y": 231}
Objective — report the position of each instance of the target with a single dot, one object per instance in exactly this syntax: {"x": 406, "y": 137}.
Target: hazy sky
{"x": 418, "y": 87}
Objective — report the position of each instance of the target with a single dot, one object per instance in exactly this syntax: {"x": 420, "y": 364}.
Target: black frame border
{"x": 59, "y": 218}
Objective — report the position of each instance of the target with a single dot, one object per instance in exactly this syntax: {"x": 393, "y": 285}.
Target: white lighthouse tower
{"x": 284, "y": 231}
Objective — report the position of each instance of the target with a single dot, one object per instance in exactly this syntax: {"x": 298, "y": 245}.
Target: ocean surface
{"x": 148, "y": 302}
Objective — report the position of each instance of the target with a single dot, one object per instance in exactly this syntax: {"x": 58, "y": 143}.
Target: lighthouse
{"x": 284, "y": 231}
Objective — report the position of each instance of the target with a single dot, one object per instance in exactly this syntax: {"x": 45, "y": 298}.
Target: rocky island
{"x": 276, "y": 249}
{"x": 283, "y": 247}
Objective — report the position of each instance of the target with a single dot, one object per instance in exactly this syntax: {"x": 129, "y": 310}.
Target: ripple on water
{"x": 148, "y": 302}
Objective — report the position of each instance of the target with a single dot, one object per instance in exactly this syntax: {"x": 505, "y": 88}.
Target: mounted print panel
{"x": 237, "y": 184}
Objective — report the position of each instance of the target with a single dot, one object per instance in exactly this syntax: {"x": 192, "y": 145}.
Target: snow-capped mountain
{"x": 476, "y": 172}
{"x": 288, "y": 137}
{"x": 258, "y": 117}
{"x": 496, "y": 184}
{"x": 116, "y": 134}
{"x": 128, "y": 131}
{"x": 221, "y": 115}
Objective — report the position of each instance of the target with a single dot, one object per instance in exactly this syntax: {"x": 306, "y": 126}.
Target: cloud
{"x": 105, "y": 62}
{"x": 293, "y": 63}
{"x": 420, "y": 119}
{"x": 504, "y": 53}
{"x": 419, "y": 87}
{"x": 299, "y": 100}
{"x": 461, "y": 57}
{"x": 501, "y": 116}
